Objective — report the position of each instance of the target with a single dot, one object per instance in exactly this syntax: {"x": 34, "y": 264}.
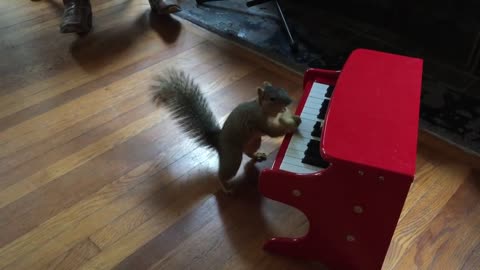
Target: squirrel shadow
{"x": 247, "y": 221}
{"x": 242, "y": 213}
{"x": 473, "y": 180}
{"x": 98, "y": 49}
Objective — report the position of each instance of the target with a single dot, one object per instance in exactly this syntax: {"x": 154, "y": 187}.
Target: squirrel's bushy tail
{"x": 188, "y": 106}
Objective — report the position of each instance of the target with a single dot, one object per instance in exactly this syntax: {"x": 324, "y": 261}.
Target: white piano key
{"x": 300, "y": 140}
{"x": 294, "y": 153}
{"x": 303, "y": 131}
{"x": 318, "y": 90}
{"x": 298, "y": 162}
{"x": 313, "y": 111}
{"x": 296, "y": 169}
{"x": 308, "y": 116}
{"x": 314, "y": 102}
{"x": 307, "y": 124}
{"x": 305, "y": 137}
{"x": 297, "y": 143}
{"x": 292, "y": 161}
{"x": 297, "y": 146}
{"x": 305, "y": 134}
{"x": 311, "y": 105}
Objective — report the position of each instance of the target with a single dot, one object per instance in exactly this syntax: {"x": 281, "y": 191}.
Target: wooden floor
{"x": 93, "y": 176}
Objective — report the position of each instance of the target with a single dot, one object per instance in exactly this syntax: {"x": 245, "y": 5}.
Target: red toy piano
{"x": 351, "y": 163}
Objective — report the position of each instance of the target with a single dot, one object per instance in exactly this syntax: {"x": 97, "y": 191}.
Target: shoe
{"x": 162, "y": 7}
{"x": 77, "y": 16}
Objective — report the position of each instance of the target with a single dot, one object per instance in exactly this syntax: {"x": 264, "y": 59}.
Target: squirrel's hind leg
{"x": 230, "y": 158}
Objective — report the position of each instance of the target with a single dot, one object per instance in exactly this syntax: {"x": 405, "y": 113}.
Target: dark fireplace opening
{"x": 445, "y": 33}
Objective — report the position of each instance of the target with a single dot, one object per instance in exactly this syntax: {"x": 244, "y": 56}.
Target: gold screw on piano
{"x": 358, "y": 209}
{"x": 350, "y": 238}
{"x": 296, "y": 193}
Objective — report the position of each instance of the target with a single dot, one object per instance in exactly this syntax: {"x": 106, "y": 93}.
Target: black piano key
{"x": 312, "y": 155}
{"x": 329, "y": 92}
{"x": 317, "y": 130}
{"x": 313, "y": 144}
{"x": 315, "y": 161}
{"x": 315, "y": 153}
{"x": 313, "y": 149}
{"x": 323, "y": 109}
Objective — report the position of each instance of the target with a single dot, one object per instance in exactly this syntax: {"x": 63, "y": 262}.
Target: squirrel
{"x": 242, "y": 130}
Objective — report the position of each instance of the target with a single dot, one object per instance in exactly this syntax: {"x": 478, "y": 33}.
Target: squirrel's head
{"x": 273, "y": 99}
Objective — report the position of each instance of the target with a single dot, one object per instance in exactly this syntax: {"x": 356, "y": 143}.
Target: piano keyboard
{"x": 303, "y": 151}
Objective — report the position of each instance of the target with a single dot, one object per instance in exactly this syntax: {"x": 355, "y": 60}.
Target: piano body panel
{"x": 353, "y": 204}
{"x": 330, "y": 200}
{"x": 375, "y": 111}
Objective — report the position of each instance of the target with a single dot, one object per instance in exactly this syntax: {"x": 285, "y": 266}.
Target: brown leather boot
{"x": 163, "y": 7}
{"x": 77, "y": 16}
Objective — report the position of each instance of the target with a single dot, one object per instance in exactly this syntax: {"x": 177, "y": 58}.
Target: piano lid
{"x": 374, "y": 112}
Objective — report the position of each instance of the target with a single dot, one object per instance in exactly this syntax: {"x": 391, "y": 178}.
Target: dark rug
{"x": 326, "y": 34}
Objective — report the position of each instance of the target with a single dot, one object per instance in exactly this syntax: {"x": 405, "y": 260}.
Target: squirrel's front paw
{"x": 260, "y": 156}
{"x": 297, "y": 120}
{"x": 227, "y": 188}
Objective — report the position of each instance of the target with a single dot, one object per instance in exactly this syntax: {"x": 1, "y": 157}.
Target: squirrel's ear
{"x": 260, "y": 92}
{"x": 265, "y": 84}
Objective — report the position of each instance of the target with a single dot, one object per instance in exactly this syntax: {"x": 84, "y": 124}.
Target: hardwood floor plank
{"x": 83, "y": 251}
{"x": 446, "y": 180}
{"x": 48, "y": 200}
{"x": 244, "y": 52}
{"x": 435, "y": 248}
{"x": 40, "y": 97}
{"x": 88, "y": 225}
{"x": 129, "y": 221}
{"x": 102, "y": 207}
{"x": 34, "y": 130}
{"x": 202, "y": 72}
{"x": 17, "y": 16}
{"x": 40, "y": 54}
{"x": 13, "y": 13}
{"x": 473, "y": 260}
{"x": 69, "y": 163}
{"x": 21, "y": 25}
{"x": 24, "y": 163}
{"x": 235, "y": 233}
{"x": 42, "y": 126}
{"x": 112, "y": 254}
{"x": 422, "y": 183}
{"x": 172, "y": 236}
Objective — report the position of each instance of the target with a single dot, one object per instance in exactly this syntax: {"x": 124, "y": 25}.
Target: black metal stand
{"x": 292, "y": 41}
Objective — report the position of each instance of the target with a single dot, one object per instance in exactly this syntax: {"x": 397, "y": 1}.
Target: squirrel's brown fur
{"x": 242, "y": 131}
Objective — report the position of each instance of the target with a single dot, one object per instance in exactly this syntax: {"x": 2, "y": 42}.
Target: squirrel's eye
{"x": 272, "y": 99}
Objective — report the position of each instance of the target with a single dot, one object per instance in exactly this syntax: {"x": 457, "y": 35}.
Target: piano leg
{"x": 339, "y": 235}
{"x": 294, "y": 247}
{"x": 283, "y": 190}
